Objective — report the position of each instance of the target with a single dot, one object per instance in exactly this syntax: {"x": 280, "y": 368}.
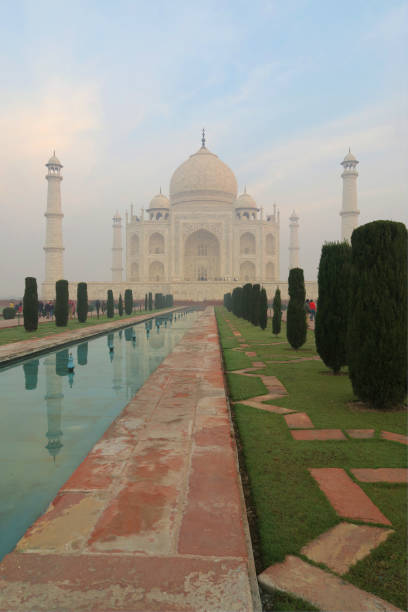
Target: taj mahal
{"x": 198, "y": 243}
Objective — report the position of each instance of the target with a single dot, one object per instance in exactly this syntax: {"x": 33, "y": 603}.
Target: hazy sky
{"x": 122, "y": 89}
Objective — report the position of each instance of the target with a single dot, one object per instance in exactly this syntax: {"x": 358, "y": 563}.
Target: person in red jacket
{"x": 312, "y": 308}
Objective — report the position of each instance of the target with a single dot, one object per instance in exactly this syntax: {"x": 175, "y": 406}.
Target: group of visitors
{"x": 310, "y": 307}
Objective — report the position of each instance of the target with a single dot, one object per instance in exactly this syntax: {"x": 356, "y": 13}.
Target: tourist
{"x": 312, "y": 310}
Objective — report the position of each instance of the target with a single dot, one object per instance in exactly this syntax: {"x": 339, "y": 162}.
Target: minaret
{"x": 54, "y": 265}
{"x": 293, "y": 241}
{"x": 53, "y": 398}
{"x": 117, "y": 267}
{"x": 349, "y": 212}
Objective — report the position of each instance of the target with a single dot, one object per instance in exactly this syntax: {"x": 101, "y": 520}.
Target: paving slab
{"x": 250, "y": 353}
{"x": 327, "y": 592}
{"x": 258, "y": 364}
{"x": 346, "y": 497}
{"x": 381, "y": 474}
{"x": 394, "y": 437}
{"x": 154, "y": 518}
{"x": 237, "y": 333}
{"x": 360, "y": 434}
{"x": 298, "y": 420}
{"x": 266, "y": 407}
{"x": 318, "y": 434}
{"x": 103, "y": 583}
{"x": 344, "y": 545}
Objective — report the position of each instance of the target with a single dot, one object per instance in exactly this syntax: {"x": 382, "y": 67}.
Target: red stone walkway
{"x": 153, "y": 519}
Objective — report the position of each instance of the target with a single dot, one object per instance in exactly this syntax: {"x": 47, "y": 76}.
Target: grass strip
{"x": 291, "y": 510}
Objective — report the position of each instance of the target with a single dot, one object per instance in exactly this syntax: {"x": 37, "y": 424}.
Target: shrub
{"x": 237, "y": 301}
{"x": 296, "y": 317}
{"x": 263, "y": 313}
{"x": 30, "y": 304}
{"x": 331, "y": 316}
{"x": 9, "y": 313}
{"x": 120, "y": 305}
{"x": 247, "y": 301}
{"x": 128, "y": 301}
{"x": 228, "y": 301}
{"x": 255, "y": 304}
{"x": 82, "y": 302}
{"x": 377, "y": 327}
{"x": 277, "y": 313}
{"x": 110, "y": 307}
{"x": 61, "y": 303}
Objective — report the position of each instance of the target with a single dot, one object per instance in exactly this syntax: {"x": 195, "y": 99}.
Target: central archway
{"x": 202, "y": 256}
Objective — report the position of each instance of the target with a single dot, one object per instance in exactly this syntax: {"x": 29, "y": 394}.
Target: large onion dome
{"x": 203, "y": 177}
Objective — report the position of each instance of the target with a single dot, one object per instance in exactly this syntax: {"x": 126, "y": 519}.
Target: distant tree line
{"x": 249, "y": 302}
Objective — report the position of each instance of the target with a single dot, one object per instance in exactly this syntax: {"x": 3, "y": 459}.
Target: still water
{"x": 50, "y": 418}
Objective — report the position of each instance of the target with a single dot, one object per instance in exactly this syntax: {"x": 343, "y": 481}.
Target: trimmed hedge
{"x": 30, "y": 304}
{"x": 61, "y": 303}
{"x": 377, "y": 328}
{"x": 296, "y": 318}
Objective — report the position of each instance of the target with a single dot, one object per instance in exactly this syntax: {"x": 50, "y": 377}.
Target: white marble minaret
{"x": 117, "y": 265}
{"x": 349, "y": 212}
{"x": 293, "y": 241}
{"x": 54, "y": 251}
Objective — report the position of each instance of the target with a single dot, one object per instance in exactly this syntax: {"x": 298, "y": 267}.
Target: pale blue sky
{"x": 122, "y": 90}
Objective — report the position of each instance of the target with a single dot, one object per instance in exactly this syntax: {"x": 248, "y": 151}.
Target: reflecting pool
{"x": 50, "y": 417}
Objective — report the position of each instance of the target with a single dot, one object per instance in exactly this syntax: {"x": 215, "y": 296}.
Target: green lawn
{"x": 291, "y": 510}
{"x": 15, "y": 334}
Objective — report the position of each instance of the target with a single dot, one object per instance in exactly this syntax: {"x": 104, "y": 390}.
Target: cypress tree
{"x": 61, "y": 303}
{"x": 150, "y": 305}
{"x": 277, "y": 313}
{"x": 331, "y": 316}
{"x": 377, "y": 326}
{"x": 239, "y": 301}
{"x": 110, "y": 307}
{"x": 296, "y": 317}
{"x": 146, "y": 302}
{"x": 263, "y": 315}
{"x": 82, "y": 353}
{"x": 247, "y": 301}
{"x": 255, "y": 304}
{"x": 30, "y": 304}
{"x": 82, "y": 302}
{"x": 128, "y": 301}
{"x": 120, "y": 305}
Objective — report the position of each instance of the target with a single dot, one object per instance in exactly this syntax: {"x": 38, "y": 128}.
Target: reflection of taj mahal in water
{"x": 137, "y": 351}
{"x": 197, "y": 244}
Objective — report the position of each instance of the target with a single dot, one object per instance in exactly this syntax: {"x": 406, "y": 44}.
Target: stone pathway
{"x": 346, "y": 543}
{"x": 154, "y": 518}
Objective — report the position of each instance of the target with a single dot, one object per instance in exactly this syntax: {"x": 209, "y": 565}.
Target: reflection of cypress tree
{"x": 31, "y": 374}
{"x": 61, "y": 362}
{"x": 128, "y": 334}
{"x": 109, "y": 339}
{"x": 82, "y": 353}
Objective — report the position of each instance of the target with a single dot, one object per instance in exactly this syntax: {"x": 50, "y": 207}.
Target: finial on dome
{"x": 244, "y": 188}
{"x": 160, "y": 190}
{"x": 203, "y": 139}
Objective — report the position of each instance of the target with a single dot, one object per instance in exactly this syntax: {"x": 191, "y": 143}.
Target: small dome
{"x": 349, "y": 157}
{"x": 245, "y": 201}
{"x": 54, "y": 161}
{"x": 159, "y": 201}
{"x": 294, "y": 216}
{"x": 203, "y": 177}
